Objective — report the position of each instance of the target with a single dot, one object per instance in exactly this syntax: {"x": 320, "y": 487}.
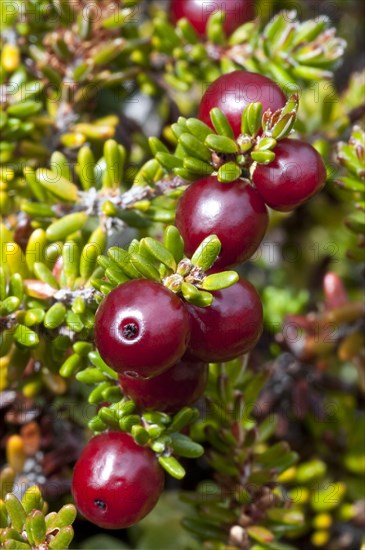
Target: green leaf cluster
{"x": 25, "y": 523}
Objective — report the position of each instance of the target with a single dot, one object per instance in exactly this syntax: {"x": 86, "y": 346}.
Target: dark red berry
{"x": 141, "y": 328}
{"x": 233, "y": 91}
{"x": 233, "y": 211}
{"x": 295, "y": 175}
{"x": 198, "y": 12}
{"x": 229, "y": 327}
{"x": 178, "y": 387}
{"x": 116, "y": 482}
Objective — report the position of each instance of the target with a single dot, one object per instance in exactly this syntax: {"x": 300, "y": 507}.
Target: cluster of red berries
{"x": 236, "y": 212}
{"x": 160, "y": 345}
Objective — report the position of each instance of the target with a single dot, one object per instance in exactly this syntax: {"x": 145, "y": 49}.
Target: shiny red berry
{"x": 233, "y": 91}
{"x": 116, "y": 482}
{"x": 198, "y": 12}
{"x": 295, "y": 175}
{"x": 178, "y": 387}
{"x": 233, "y": 211}
{"x": 229, "y": 327}
{"x": 141, "y": 328}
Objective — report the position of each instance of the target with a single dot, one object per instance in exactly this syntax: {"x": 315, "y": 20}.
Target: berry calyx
{"x": 296, "y": 174}
{"x": 230, "y": 327}
{"x": 178, "y": 387}
{"x": 141, "y": 328}
{"x": 236, "y": 12}
{"x": 232, "y": 93}
{"x": 233, "y": 211}
{"x": 116, "y": 482}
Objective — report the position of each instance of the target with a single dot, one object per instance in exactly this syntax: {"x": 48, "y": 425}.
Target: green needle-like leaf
{"x": 65, "y": 517}
{"x": 182, "y": 419}
{"x": 37, "y": 526}
{"x": 221, "y": 144}
{"x": 172, "y": 466}
{"x": 32, "y": 499}
{"x": 114, "y": 162}
{"x": 173, "y": 242}
{"x": 186, "y": 447}
{"x": 228, "y": 172}
{"x": 16, "y": 287}
{"x": 16, "y": 511}
{"x": 65, "y": 226}
{"x": 214, "y": 27}
{"x": 158, "y": 252}
{"x": 71, "y": 365}
{"x": 96, "y": 360}
{"x": 86, "y": 168}
{"x": 24, "y": 109}
{"x": 198, "y": 167}
{"x": 93, "y": 248}
{"x": 220, "y": 123}
{"x": 96, "y": 424}
{"x": 266, "y": 144}
{"x": 59, "y": 165}
{"x": 12, "y": 544}
{"x": 109, "y": 417}
{"x": 96, "y": 396}
{"x": 194, "y": 296}
{"x": 218, "y": 281}
{"x": 9, "y": 305}
{"x": 3, "y": 283}
{"x": 57, "y": 184}
{"x": 44, "y": 274}
{"x": 144, "y": 268}
{"x": 62, "y": 540}
{"x": 198, "y": 128}
{"x": 90, "y": 376}
{"x": 36, "y": 246}
{"x": 261, "y": 534}
{"x": 157, "y": 146}
{"x": 73, "y": 321}
{"x": 284, "y": 126}
{"x": 127, "y": 422}
{"x": 140, "y": 434}
{"x": 168, "y": 161}
{"x": 207, "y": 253}
{"x": 123, "y": 260}
{"x": 55, "y": 316}
{"x": 194, "y": 147}
{"x": 25, "y": 336}
{"x": 263, "y": 157}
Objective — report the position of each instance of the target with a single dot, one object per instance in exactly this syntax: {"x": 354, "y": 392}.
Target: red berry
{"x": 178, "y": 387}
{"x": 197, "y": 12}
{"x": 233, "y": 91}
{"x": 116, "y": 482}
{"x": 141, "y": 328}
{"x": 229, "y": 327}
{"x": 233, "y": 211}
{"x": 295, "y": 175}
